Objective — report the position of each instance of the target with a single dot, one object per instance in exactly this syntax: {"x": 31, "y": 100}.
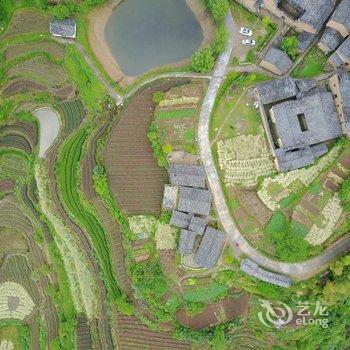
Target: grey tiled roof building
{"x": 198, "y": 224}
{"x": 210, "y": 248}
{"x": 299, "y": 118}
{"x": 180, "y": 219}
{"x": 252, "y": 269}
{"x": 277, "y": 61}
{"x": 194, "y": 200}
{"x": 65, "y": 28}
{"x": 187, "y": 241}
{"x": 187, "y": 175}
{"x": 330, "y": 40}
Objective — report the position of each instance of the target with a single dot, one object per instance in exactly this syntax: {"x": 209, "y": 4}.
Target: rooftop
{"x": 210, "y": 248}
{"x": 180, "y": 219}
{"x": 170, "y": 197}
{"x": 313, "y": 12}
{"x": 194, "y": 200}
{"x": 187, "y": 175}
{"x": 341, "y": 14}
{"x": 198, "y": 224}
{"x": 331, "y": 38}
{"x": 344, "y": 48}
{"x": 252, "y": 269}
{"x": 276, "y": 90}
{"x": 65, "y": 28}
{"x": 307, "y": 121}
{"x": 187, "y": 241}
{"x": 279, "y": 59}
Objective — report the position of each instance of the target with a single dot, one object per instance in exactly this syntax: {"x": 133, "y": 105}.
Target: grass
{"x": 90, "y": 89}
{"x": 235, "y": 113}
{"x": 176, "y": 113}
{"x": 68, "y": 181}
{"x": 205, "y": 293}
{"x": 16, "y": 332}
{"x": 312, "y": 65}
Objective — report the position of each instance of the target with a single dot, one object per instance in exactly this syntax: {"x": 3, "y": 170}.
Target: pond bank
{"x": 98, "y": 19}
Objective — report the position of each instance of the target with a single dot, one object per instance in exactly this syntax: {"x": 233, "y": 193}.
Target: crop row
{"x": 67, "y": 178}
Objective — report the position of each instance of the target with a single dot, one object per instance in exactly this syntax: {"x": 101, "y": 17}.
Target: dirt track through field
{"x": 135, "y": 178}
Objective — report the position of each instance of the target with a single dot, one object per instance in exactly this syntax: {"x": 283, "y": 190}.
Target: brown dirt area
{"x": 97, "y": 22}
{"x": 223, "y": 311}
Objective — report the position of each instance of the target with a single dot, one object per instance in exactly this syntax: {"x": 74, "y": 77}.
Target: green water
{"x": 143, "y": 34}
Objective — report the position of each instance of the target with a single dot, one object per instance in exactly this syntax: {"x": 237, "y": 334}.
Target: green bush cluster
{"x": 218, "y": 8}
{"x": 156, "y": 146}
{"x": 289, "y": 45}
{"x": 290, "y": 246}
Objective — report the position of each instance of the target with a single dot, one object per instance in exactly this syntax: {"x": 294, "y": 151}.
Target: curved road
{"x": 301, "y": 270}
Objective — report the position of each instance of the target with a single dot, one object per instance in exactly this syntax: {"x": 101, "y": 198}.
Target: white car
{"x": 248, "y": 42}
{"x": 245, "y": 31}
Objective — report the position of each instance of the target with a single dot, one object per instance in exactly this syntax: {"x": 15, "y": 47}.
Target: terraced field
{"x": 134, "y": 176}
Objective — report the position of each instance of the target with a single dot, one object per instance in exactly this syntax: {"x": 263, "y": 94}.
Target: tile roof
{"x": 252, "y": 269}
{"x": 187, "y": 241}
{"x": 279, "y": 59}
{"x": 187, "y": 175}
{"x": 194, "y": 200}
{"x": 210, "y": 247}
{"x": 180, "y": 219}
{"x": 198, "y": 224}
{"x": 170, "y": 197}
{"x": 342, "y": 14}
{"x": 65, "y": 28}
{"x": 331, "y": 38}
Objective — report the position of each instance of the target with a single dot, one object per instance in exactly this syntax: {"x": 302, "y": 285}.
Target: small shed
{"x": 65, "y": 28}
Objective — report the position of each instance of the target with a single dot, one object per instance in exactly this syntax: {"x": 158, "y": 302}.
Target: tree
{"x": 203, "y": 61}
{"x": 158, "y": 97}
{"x": 61, "y": 11}
{"x": 266, "y": 22}
{"x": 289, "y": 45}
{"x": 218, "y": 8}
{"x": 221, "y": 36}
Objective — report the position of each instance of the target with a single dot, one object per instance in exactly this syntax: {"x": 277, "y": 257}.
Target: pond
{"x": 49, "y": 121}
{"x": 150, "y": 33}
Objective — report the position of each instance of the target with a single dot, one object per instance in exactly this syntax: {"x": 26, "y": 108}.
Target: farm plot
{"x": 132, "y": 334}
{"x": 24, "y": 127}
{"x": 134, "y": 176}
{"x": 13, "y": 165}
{"x": 223, "y": 311}
{"x": 244, "y": 159}
{"x": 67, "y": 179}
{"x": 83, "y": 337}
{"x": 176, "y": 117}
{"x": 41, "y": 70}
{"x": 12, "y": 242}
{"x": 73, "y": 113}
{"x": 15, "y": 302}
{"x": 51, "y": 47}
{"x": 26, "y": 21}
{"x": 7, "y": 186}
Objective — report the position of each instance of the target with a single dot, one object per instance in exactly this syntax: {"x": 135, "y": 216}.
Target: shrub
{"x": 289, "y": 46}
{"x": 218, "y": 8}
{"x": 167, "y": 149}
{"x": 266, "y": 22}
{"x": 156, "y": 146}
{"x": 203, "y": 61}
{"x": 61, "y": 11}
{"x": 345, "y": 194}
{"x": 250, "y": 57}
{"x": 158, "y": 97}
{"x": 221, "y": 37}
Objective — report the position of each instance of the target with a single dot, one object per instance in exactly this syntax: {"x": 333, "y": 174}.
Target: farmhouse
{"x": 194, "y": 200}
{"x": 180, "y": 219}
{"x": 339, "y": 84}
{"x": 197, "y": 224}
{"x": 187, "y": 175}
{"x": 330, "y": 40}
{"x": 276, "y": 61}
{"x": 170, "y": 197}
{"x": 340, "y": 19}
{"x": 66, "y": 28}
{"x": 299, "y": 118}
{"x": 210, "y": 248}
{"x": 187, "y": 240}
{"x": 308, "y": 16}
{"x": 252, "y": 269}
{"x": 341, "y": 57}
